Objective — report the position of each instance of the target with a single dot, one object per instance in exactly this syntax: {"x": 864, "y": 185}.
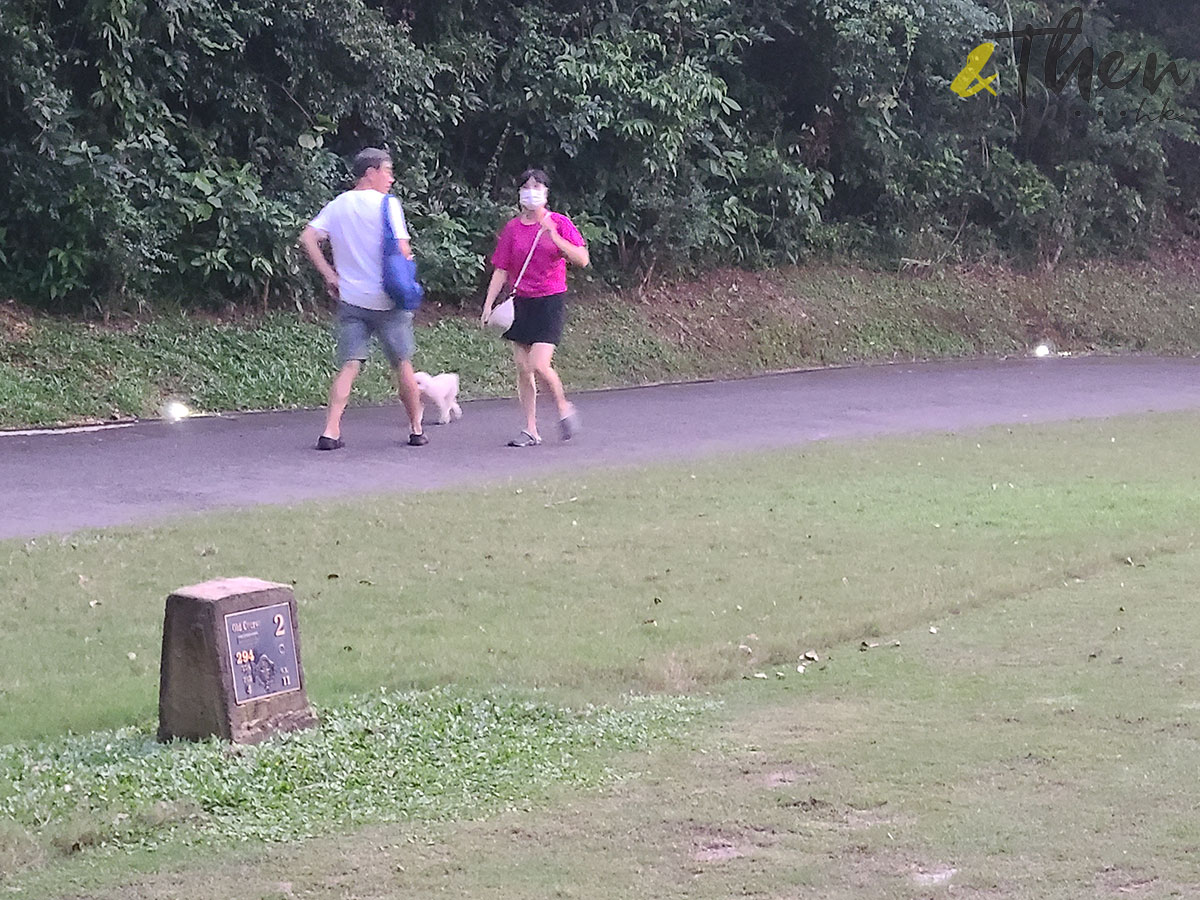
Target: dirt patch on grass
{"x": 18, "y": 850}
{"x": 694, "y": 313}
{"x": 788, "y": 776}
{"x": 1118, "y": 882}
{"x": 822, "y": 718}
{"x": 778, "y": 774}
{"x": 15, "y": 320}
{"x": 927, "y": 876}
{"x": 1177, "y": 257}
{"x": 715, "y": 848}
{"x": 775, "y": 779}
{"x": 720, "y": 843}
{"x": 857, "y": 819}
{"x": 686, "y": 670}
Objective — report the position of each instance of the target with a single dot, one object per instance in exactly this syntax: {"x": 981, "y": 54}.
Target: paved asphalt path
{"x": 62, "y": 481}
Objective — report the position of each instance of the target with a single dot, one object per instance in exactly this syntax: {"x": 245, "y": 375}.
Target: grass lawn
{"x": 1037, "y": 744}
{"x": 1040, "y": 747}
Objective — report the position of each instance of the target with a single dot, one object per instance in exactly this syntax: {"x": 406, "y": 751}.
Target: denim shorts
{"x": 356, "y": 324}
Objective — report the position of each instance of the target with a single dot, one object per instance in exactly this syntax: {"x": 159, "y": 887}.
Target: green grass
{"x": 1040, "y": 747}
{"x": 606, "y": 581}
{"x": 382, "y": 758}
{"x": 54, "y": 371}
{"x": 1040, "y": 742}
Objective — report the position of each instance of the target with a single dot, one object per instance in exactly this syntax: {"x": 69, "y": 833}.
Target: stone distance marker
{"x": 231, "y": 663}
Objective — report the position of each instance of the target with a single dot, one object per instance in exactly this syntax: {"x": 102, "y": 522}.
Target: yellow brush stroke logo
{"x": 968, "y": 83}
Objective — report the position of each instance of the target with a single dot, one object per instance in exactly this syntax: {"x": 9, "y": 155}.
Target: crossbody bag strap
{"x": 389, "y": 232}
{"x": 528, "y": 257}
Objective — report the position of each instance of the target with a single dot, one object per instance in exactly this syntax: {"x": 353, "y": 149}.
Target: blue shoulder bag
{"x": 399, "y": 272}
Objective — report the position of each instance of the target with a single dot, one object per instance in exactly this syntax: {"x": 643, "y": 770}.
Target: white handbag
{"x": 503, "y": 313}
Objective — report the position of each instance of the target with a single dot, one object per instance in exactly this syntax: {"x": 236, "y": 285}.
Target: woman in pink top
{"x": 541, "y": 243}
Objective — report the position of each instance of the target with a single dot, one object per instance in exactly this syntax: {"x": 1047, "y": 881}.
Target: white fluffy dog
{"x": 441, "y": 393}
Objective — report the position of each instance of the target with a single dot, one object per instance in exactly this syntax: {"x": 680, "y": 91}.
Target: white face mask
{"x": 533, "y": 198}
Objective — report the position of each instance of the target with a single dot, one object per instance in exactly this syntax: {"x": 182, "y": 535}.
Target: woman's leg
{"x": 526, "y": 386}
{"x": 540, "y": 358}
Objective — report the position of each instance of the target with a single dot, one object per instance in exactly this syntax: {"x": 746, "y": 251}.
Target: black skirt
{"x": 538, "y": 320}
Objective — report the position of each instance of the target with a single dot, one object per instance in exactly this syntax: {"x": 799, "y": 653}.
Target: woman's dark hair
{"x": 536, "y": 174}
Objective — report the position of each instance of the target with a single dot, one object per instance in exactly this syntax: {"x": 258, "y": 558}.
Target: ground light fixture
{"x": 1042, "y": 350}
{"x": 175, "y": 410}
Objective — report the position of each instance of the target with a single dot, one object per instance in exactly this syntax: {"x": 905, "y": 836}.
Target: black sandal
{"x": 569, "y": 425}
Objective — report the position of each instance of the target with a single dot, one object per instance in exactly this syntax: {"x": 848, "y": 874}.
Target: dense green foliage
{"x": 170, "y": 150}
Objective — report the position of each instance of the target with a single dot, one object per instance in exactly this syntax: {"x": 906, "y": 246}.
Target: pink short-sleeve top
{"x": 547, "y": 272}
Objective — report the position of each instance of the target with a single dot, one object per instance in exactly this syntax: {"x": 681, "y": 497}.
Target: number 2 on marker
{"x": 278, "y": 625}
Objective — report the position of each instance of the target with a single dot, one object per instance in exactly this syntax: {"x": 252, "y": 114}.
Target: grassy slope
{"x": 52, "y": 371}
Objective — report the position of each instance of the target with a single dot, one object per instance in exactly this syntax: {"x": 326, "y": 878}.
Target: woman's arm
{"x": 576, "y": 255}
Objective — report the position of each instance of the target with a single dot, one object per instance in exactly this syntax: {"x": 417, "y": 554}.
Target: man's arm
{"x": 311, "y": 239}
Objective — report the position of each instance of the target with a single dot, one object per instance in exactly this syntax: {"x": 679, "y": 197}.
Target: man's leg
{"x": 352, "y": 350}
{"x": 526, "y": 387}
{"x": 395, "y": 331}
{"x": 339, "y": 396}
{"x": 410, "y": 394}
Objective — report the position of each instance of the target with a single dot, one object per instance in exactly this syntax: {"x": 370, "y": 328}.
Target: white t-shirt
{"x": 354, "y": 225}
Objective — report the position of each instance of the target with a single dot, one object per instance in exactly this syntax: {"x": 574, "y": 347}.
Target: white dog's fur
{"x": 440, "y": 392}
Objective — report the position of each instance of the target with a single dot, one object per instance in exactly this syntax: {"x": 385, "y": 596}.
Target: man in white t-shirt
{"x": 353, "y": 224}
